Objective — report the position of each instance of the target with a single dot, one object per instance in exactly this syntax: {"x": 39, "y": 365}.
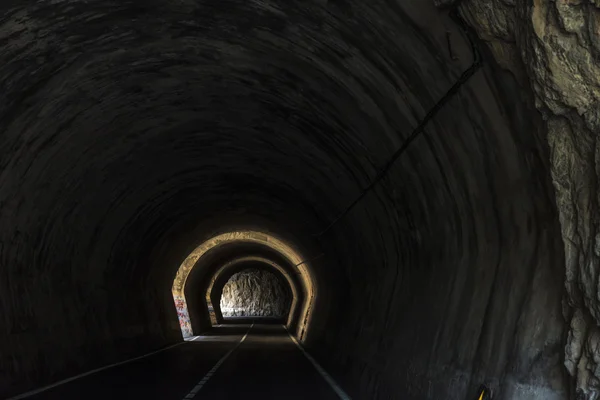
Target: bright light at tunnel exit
{"x": 288, "y": 252}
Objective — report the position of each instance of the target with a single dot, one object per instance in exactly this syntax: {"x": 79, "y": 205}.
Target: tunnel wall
{"x": 476, "y": 249}
{"x": 491, "y": 293}
{"x": 552, "y": 49}
{"x": 131, "y": 131}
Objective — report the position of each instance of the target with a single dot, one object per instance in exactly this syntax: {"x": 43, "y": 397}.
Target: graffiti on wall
{"x": 183, "y": 315}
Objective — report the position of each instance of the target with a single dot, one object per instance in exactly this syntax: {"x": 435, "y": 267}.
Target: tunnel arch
{"x": 123, "y": 147}
{"x": 270, "y": 296}
{"x": 299, "y": 320}
{"x": 223, "y": 274}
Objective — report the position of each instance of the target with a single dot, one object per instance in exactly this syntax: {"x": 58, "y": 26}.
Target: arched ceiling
{"x": 133, "y": 131}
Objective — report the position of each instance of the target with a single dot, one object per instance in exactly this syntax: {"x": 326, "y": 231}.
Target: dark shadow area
{"x": 227, "y": 330}
{"x": 257, "y": 320}
{"x": 240, "y": 326}
{"x": 266, "y": 352}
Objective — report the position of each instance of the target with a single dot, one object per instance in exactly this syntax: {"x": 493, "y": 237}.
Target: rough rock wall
{"x": 255, "y": 293}
{"x": 553, "y": 48}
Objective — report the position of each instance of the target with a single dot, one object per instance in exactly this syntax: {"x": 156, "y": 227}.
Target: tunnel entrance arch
{"x": 301, "y": 269}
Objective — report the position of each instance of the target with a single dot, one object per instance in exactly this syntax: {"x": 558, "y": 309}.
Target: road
{"x": 232, "y": 361}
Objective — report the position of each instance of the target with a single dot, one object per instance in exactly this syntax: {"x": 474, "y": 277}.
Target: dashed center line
{"x": 210, "y": 373}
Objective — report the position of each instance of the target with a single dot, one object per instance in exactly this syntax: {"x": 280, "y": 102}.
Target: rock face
{"x": 553, "y": 48}
{"x": 255, "y": 293}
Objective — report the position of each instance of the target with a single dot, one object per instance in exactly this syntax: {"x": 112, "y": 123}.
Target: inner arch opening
{"x": 299, "y": 314}
{"x": 255, "y": 292}
{"x": 228, "y": 270}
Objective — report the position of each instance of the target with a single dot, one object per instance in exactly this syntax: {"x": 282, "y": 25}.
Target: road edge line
{"x": 336, "y": 388}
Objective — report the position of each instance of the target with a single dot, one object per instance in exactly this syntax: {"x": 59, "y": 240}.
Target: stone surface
{"x": 553, "y": 46}
{"x": 255, "y": 293}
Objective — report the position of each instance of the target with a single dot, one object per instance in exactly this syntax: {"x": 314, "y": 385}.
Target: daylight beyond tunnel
{"x": 141, "y": 140}
{"x": 255, "y": 293}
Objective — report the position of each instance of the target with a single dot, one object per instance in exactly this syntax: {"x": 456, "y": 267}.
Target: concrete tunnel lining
{"x": 124, "y": 145}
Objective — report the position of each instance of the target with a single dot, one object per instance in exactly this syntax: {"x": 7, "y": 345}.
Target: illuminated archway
{"x": 227, "y": 270}
{"x": 286, "y": 251}
{"x": 255, "y": 291}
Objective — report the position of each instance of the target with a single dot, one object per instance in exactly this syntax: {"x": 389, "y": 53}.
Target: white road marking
{"x": 53, "y": 385}
{"x": 210, "y": 373}
{"x": 336, "y": 388}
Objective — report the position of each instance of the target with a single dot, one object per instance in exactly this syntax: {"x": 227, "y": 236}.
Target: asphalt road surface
{"x": 232, "y": 361}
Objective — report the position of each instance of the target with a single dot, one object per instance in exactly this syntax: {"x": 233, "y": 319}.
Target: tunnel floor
{"x": 259, "y": 361}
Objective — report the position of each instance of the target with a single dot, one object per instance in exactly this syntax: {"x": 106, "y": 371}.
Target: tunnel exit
{"x": 255, "y": 293}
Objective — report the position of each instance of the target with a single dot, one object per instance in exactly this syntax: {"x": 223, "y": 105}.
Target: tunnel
{"x": 419, "y": 176}
{"x": 252, "y": 286}
{"x": 254, "y": 292}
